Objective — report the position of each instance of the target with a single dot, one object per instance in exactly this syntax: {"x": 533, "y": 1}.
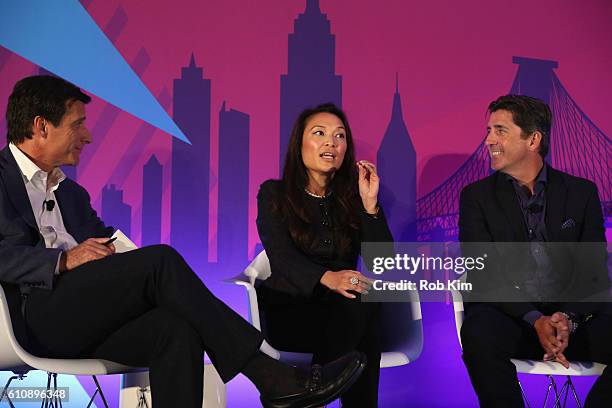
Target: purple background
{"x": 233, "y": 74}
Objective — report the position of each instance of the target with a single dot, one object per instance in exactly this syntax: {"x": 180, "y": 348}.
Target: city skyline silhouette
{"x": 269, "y": 70}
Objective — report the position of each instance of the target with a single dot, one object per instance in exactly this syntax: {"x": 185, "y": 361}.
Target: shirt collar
{"x": 542, "y": 177}
{"x": 29, "y": 169}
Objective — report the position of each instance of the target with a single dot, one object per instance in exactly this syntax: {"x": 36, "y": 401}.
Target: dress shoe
{"x": 323, "y": 384}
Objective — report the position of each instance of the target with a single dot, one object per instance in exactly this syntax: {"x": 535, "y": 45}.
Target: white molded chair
{"x": 402, "y": 337}
{"x": 547, "y": 368}
{"x": 14, "y": 358}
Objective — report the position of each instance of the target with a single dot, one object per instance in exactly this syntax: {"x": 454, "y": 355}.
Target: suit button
{"x": 327, "y": 242}
{"x": 325, "y": 223}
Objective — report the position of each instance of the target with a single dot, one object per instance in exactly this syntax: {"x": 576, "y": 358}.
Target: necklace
{"x": 310, "y": 193}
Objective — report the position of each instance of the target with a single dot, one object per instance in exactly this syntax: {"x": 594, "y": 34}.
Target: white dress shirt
{"x": 41, "y": 187}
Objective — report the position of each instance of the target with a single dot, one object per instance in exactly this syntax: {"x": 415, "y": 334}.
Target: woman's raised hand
{"x": 368, "y": 185}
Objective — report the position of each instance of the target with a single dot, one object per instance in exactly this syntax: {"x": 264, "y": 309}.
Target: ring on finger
{"x": 354, "y": 280}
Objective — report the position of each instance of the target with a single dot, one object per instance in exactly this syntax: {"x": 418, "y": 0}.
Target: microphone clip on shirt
{"x": 49, "y": 205}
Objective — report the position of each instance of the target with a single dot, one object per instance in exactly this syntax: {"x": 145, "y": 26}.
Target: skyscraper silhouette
{"x": 233, "y": 208}
{"x": 534, "y": 78}
{"x": 396, "y": 163}
{"x": 130, "y": 155}
{"x": 311, "y": 77}
{"x": 151, "y": 201}
{"x": 190, "y": 166}
{"x": 114, "y": 211}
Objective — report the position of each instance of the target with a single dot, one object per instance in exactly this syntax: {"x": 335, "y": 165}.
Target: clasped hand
{"x": 553, "y": 333}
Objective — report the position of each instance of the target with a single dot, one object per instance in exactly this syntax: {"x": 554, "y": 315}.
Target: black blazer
{"x": 295, "y": 272}
{"x": 489, "y": 211}
{"x": 26, "y": 262}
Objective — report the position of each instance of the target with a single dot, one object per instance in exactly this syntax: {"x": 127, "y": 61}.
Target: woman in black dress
{"x": 312, "y": 223}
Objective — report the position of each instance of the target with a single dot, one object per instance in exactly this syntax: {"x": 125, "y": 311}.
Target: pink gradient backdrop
{"x": 452, "y": 59}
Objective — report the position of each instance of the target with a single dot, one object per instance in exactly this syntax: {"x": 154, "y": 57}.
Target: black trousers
{"x": 144, "y": 308}
{"x": 327, "y": 325}
{"x": 491, "y": 338}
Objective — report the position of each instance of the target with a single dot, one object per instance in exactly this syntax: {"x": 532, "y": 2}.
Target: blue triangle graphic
{"x": 61, "y": 37}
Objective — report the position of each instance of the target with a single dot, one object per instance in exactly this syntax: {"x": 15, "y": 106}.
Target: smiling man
{"x": 71, "y": 296}
{"x": 526, "y": 200}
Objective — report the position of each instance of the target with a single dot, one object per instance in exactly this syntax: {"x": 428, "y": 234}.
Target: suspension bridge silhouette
{"x": 577, "y": 146}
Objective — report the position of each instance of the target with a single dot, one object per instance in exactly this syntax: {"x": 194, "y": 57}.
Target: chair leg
{"x": 550, "y": 385}
{"x": 47, "y": 402}
{"x": 93, "y": 397}
{"x": 567, "y": 387}
{"x": 571, "y": 384}
{"x": 5, "y": 389}
{"x": 524, "y": 395}
{"x": 557, "y": 393}
{"x": 56, "y": 398}
{"x": 142, "y": 399}
{"x": 98, "y": 391}
{"x": 52, "y": 398}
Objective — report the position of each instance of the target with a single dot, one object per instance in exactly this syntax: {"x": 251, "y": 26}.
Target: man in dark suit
{"x": 528, "y": 201}
{"x": 71, "y": 296}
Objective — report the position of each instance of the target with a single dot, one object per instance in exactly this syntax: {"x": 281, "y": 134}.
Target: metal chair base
{"x": 6, "y": 386}
{"x": 559, "y": 395}
{"x": 54, "y": 401}
{"x": 142, "y": 399}
{"x": 98, "y": 391}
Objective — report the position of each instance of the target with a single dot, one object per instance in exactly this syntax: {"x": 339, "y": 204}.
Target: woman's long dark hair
{"x": 345, "y": 200}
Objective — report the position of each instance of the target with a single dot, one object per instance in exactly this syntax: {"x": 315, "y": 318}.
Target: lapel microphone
{"x": 49, "y": 205}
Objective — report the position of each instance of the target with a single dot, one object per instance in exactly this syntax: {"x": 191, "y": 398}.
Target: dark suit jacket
{"x": 489, "y": 211}
{"x": 294, "y": 272}
{"x": 26, "y": 262}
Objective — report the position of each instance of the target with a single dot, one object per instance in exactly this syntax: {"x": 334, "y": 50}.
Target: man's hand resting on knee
{"x": 553, "y": 333}
{"x": 87, "y": 251}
